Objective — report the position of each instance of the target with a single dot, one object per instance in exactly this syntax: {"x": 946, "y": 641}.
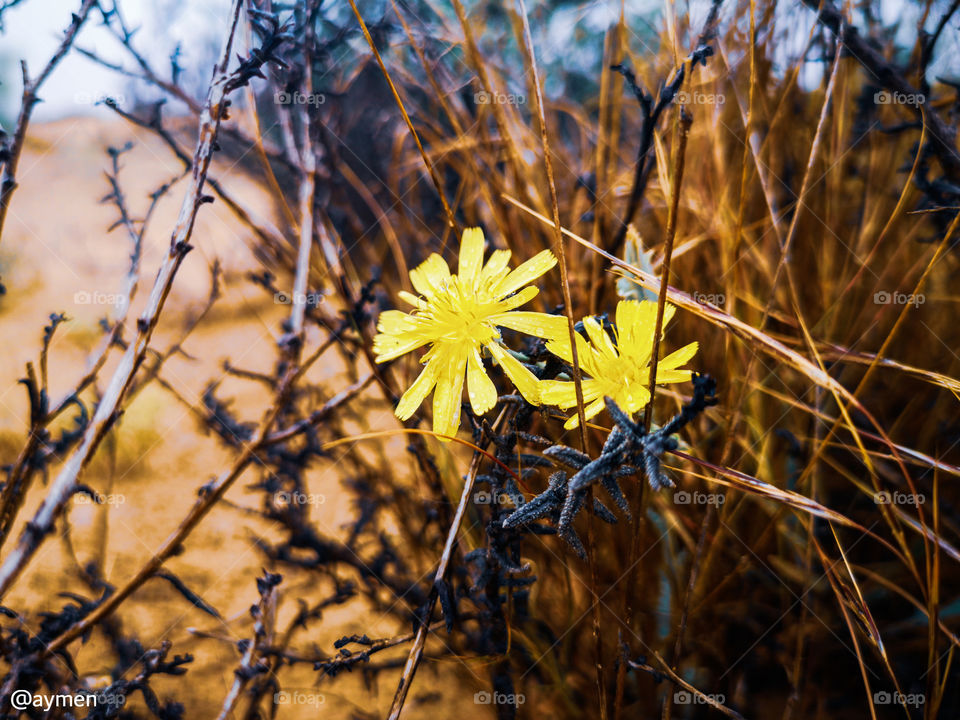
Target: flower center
{"x": 462, "y": 314}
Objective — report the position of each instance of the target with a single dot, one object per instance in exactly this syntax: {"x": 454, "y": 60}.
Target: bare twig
{"x": 11, "y": 154}
{"x": 652, "y": 111}
{"x": 264, "y": 619}
{"x": 65, "y": 484}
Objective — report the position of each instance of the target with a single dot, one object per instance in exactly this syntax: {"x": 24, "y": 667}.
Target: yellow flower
{"x": 457, "y": 315}
{"x": 620, "y": 371}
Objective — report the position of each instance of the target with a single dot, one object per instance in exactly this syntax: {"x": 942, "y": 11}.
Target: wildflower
{"x": 457, "y": 316}
{"x": 617, "y": 368}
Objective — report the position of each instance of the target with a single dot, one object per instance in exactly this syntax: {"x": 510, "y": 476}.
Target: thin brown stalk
{"x": 577, "y": 375}
{"x": 682, "y": 132}
{"x": 263, "y": 630}
{"x": 680, "y": 682}
{"x": 420, "y": 640}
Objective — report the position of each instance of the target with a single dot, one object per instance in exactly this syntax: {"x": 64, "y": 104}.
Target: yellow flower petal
{"x": 590, "y": 411}
{"x": 559, "y": 345}
{"x": 524, "y": 296}
{"x": 430, "y": 276}
{"x": 471, "y": 256}
{"x": 563, "y": 393}
{"x": 635, "y": 321}
{"x": 627, "y": 315}
{"x": 496, "y": 268}
{"x": 673, "y": 376}
{"x": 411, "y": 299}
{"x": 418, "y": 392}
{"x": 668, "y": 312}
{"x": 558, "y": 392}
{"x": 448, "y": 395}
{"x": 537, "y": 324}
{"x": 526, "y": 272}
{"x": 394, "y": 322}
{"x": 677, "y": 358}
{"x": 389, "y": 347}
{"x": 524, "y": 380}
{"x": 598, "y": 336}
{"x": 480, "y": 388}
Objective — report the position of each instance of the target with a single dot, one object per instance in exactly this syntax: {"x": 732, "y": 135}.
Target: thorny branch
{"x": 11, "y": 149}
{"x": 65, "y": 484}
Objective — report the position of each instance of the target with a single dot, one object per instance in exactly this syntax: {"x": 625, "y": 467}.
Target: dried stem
{"x": 423, "y": 626}
{"x": 577, "y": 374}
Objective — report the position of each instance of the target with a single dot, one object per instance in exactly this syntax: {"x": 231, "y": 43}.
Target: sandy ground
{"x": 56, "y": 256}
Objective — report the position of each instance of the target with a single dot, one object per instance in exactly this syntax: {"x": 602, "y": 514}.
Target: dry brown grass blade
{"x": 893, "y": 587}
{"x": 729, "y": 477}
{"x": 438, "y": 185}
{"x": 872, "y": 359}
{"x": 860, "y": 606}
{"x": 560, "y": 252}
{"x": 703, "y": 697}
{"x": 865, "y": 455}
{"x": 909, "y": 453}
{"x": 845, "y": 610}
